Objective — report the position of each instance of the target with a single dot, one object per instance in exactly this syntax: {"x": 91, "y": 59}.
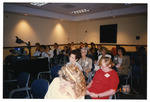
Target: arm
{"x": 103, "y": 94}
{"x": 87, "y": 71}
{"x": 89, "y": 85}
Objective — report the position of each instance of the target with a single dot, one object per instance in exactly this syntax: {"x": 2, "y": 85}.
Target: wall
{"x": 128, "y": 29}
{"x": 35, "y": 29}
{"x": 48, "y": 31}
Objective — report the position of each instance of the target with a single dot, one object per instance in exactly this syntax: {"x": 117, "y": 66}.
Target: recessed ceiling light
{"x": 79, "y": 11}
{"x": 38, "y": 3}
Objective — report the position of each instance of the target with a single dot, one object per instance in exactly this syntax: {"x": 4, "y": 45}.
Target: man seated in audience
{"x": 81, "y": 45}
{"x": 49, "y": 52}
{"x": 43, "y": 52}
{"x": 73, "y": 46}
{"x": 56, "y": 53}
{"x": 37, "y": 50}
{"x": 86, "y": 63}
{"x": 93, "y": 52}
{"x": 64, "y": 54}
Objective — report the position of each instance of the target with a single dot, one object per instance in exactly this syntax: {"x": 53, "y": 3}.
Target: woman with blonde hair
{"x": 69, "y": 85}
{"x": 105, "y": 81}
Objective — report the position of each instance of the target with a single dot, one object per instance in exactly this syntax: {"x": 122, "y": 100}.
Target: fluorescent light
{"x": 38, "y": 3}
{"x": 79, "y": 11}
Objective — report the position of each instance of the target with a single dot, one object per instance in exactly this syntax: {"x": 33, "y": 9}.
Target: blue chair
{"x": 39, "y": 88}
{"x": 54, "y": 71}
{"x": 22, "y": 86}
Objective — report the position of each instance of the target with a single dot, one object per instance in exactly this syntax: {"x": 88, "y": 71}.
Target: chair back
{"x": 54, "y": 71}
{"x": 39, "y": 88}
{"x": 23, "y": 79}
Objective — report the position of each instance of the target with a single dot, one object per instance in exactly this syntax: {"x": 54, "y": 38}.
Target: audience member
{"x": 81, "y": 45}
{"x": 73, "y": 46}
{"x": 86, "y": 47}
{"x": 64, "y": 54}
{"x": 103, "y": 52}
{"x": 69, "y": 85}
{"x": 49, "y": 51}
{"x": 43, "y": 52}
{"x": 37, "y": 50}
{"x": 122, "y": 62}
{"x": 105, "y": 81}
{"x": 56, "y": 52}
{"x": 114, "y": 50}
{"x": 93, "y": 51}
{"x": 73, "y": 58}
{"x": 98, "y": 49}
{"x": 85, "y": 62}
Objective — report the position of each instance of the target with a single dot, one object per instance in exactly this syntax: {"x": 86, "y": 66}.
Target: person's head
{"x": 81, "y": 43}
{"x": 72, "y": 43}
{"x": 103, "y": 50}
{"x": 83, "y": 52}
{"x": 48, "y": 48}
{"x": 37, "y": 45}
{"x": 42, "y": 48}
{"x": 85, "y": 44}
{"x": 71, "y": 76}
{"x": 106, "y": 62}
{"x": 65, "y": 48}
{"x": 121, "y": 51}
{"x": 92, "y": 45}
{"x": 55, "y": 45}
{"x": 73, "y": 57}
{"x": 99, "y": 46}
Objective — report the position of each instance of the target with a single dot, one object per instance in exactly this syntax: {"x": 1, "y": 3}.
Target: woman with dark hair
{"x": 73, "y": 58}
{"x": 122, "y": 61}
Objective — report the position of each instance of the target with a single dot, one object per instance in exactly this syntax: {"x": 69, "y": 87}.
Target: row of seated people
{"x": 104, "y": 83}
{"x": 71, "y": 83}
{"x": 122, "y": 61}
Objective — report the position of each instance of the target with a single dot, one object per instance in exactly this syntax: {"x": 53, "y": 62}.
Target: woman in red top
{"x": 105, "y": 81}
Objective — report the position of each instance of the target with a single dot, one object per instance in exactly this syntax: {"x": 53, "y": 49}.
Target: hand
{"x": 94, "y": 95}
{"x": 87, "y": 92}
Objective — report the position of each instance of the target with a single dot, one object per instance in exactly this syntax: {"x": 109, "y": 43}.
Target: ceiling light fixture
{"x": 38, "y": 3}
{"x": 80, "y": 11}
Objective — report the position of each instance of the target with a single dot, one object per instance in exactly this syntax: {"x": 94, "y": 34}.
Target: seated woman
{"x": 73, "y": 58}
{"x": 103, "y": 52}
{"x": 122, "y": 62}
{"x": 105, "y": 81}
{"x": 86, "y": 63}
{"x": 69, "y": 85}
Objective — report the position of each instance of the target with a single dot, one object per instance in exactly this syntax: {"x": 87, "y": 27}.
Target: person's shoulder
{"x": 56, "y": 80}
{"x": 89, "y": 58}
{"x": 114, "y": 72}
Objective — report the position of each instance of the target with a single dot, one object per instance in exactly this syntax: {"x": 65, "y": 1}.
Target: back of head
{"x": 104, "y": 49}
{"x": 73, "y": 75}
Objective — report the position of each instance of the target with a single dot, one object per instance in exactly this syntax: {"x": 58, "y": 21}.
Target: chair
{"x": 54, "y": 71}
{"x": 41, "y": 75}
{"x": 22, "y": 85}
{"x": 39, "y": 88}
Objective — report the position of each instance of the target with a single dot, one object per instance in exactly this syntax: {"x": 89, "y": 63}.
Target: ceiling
{"x": 62, "y": 10}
